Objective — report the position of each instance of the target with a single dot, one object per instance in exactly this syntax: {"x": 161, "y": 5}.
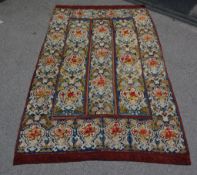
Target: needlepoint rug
{"x": 100, "y": 91}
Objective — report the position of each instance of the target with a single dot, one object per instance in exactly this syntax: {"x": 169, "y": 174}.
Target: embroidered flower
{"x": 132, "y": 95}
{"x": 102, "y": 53}
{"x": 56, "y": 36}
{"x": 148, "y": 37}
{"x": 100, "y": 81}
{"x": 69, "y": 96}
{"x": 142, "y": 132}
{"x": 78, "y": 13}
{"x": 88, "y": 130}
{"x": 168, "y": 133}
{"x": 62, "y": 132}
{"x": 125, "y": 32}
{"x": 34, "y": 133}
{"x": 42, "y": 92}
{"x": 75, "y": 61}
{"x": 49, "y": 61}
{"x": 102, "y": 29}
{"x": 160, "y": 93}
{"x": 142, "y": 18}
{"x": 59, "y": 17}
{"x": 127, "y": 59}
{"x": 116, "y": 129}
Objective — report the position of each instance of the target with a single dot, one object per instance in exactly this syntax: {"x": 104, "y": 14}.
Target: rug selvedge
{"x": 146, "y": 91}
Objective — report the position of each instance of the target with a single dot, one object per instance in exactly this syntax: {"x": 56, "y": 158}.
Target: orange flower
{"x": 141, "y": 17}
{"x": 34, "y": 133}
{"x": 160, "y": 93}
{"x": 42, "y": 92}
{"x": 60, "y": 16}
{"x": 144, "y": 132}
{"x": 102, "y": 29}
{"x": 50, "y": 60}
{"x": 78, "y": 33}
{"x": 168, "y": 134}
{"x": 74, "y": 60}
{"x": 153, "y": 63}
{"x": 147, "y": 37}
{"x": 61, "y": 132}
{"x": 102, "y": 53}
{"x": 125, "y": 32}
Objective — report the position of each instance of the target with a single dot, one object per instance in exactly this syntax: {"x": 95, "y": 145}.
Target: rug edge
{"x": 159, "y": 158}
{"x": 99, "y": 6}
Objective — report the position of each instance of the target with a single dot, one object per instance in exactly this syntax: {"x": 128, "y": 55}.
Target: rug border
{"x": 148, "y": 157}
{"x": 99, "y": 6}
{"x": 138, "y": 156}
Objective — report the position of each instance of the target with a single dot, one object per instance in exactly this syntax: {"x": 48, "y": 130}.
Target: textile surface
{"x": 100, "y": 91}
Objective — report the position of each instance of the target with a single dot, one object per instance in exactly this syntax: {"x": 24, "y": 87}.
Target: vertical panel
{"x": 101, "y": 94}
{"x": 160, "y": 93}
{"x": 70, "y": 91}
{"x": 132, "y": 97}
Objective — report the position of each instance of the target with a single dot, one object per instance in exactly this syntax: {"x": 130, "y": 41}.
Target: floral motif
{"x": 116, "y": 134}
{"x": 31, "y": 138}
{"x": 40, "y": 100}
{"x": 142, "y": 135}
{"x": 89, "y": 134}
{"x": 62, "y": 135}
{"x": 68, "y": 98}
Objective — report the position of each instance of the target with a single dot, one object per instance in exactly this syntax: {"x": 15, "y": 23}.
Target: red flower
{"x": 153, "y": 62}
{"x": 143, "y": 132}
{"x": 100, "y": 81}
{"x": 133, "y": 94}
{"x": 70, "y": 94}
{"x": 88, "y": 130}
{"x": 115, "y": 130}
{"x": 169, "y": 134}
{"x": 127, "y": 59}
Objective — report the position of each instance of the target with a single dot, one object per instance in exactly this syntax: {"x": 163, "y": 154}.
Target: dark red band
{"x": 100, "y": 6}
{"x": 150, "y": 157}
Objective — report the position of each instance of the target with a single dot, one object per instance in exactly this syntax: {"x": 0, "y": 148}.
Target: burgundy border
{"x": 150, "y": 157}
{"x": 93, "y": 116}
{"x": 99, "y": 6}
